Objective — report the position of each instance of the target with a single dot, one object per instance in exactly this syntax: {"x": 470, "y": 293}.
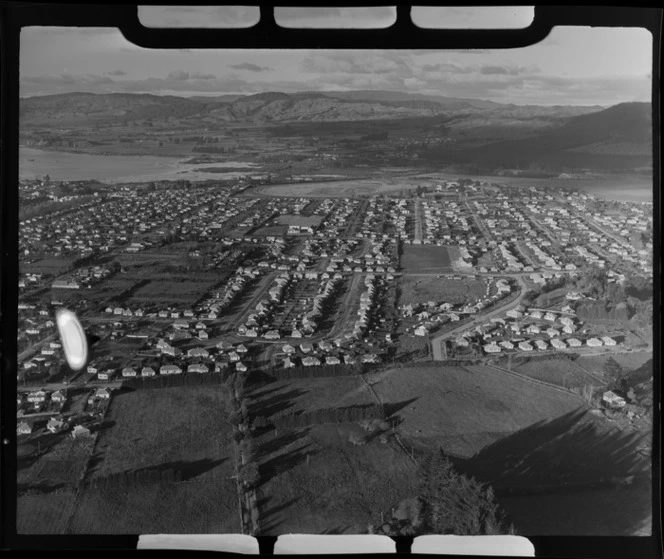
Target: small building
{"x": 128, "y": 372}
{"x": 506, "y": 345}
{"x": 558, "y": 344}
{"x": 310, "y": 361}
{"x": 525, "y": 346}
{"x": 608, "y": 341}
{"x": 288, "y": 349}
{"x": 420, "y": 331}
{"x": 594, "y": 342}
{"x": 198, "y": 368}
{"x": 492, "y": 348}
{"x": 148, "y": 372}
{"x": 332, "y": 360}
{"x": 241, "y": 367}
{"x": 170, "y": 370}
{"x": 541, "y": 345}
{"x": 23, "y": 428}
{"x": 272, "y": 335}
{"x": 573, "y": 342}
{"x": 198, "y": 352}
{"x": 55, "y": 425}
{"x": 79, "y": 431}
{"x": 241, "y": 349}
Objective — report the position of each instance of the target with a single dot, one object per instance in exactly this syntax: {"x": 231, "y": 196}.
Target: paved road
{"x": 479, "y": 319}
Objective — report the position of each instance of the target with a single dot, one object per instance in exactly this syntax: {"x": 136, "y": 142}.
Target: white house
{"x": 594, "y": 342}
{"x": 525, "y": 346}
{"x": 611, "y": 399}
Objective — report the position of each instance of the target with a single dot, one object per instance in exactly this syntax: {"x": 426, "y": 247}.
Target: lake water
{"x": 35, "y": 163}
{"x": 136, "y": 168}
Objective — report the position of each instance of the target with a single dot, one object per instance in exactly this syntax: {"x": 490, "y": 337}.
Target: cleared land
{"x": 186, "y": 429}
{"x": 464, "y": 409}
{"x": 561, "y": 372}
{"x": 308, "y": 394}
{"x": 183, "y": 430}
{"x": 45, "y": 513}
{"x": 341, "y": 189}
{"x": 316, "y": 481}
{"x": 176, "y": 508}
{"x": 422, "y": 289}
{"x": 428, "y": 259}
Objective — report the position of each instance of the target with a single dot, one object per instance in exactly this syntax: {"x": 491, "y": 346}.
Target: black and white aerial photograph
{"x": 325, "y": 291}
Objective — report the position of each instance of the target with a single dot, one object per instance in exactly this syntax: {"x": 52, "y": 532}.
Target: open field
{"x": 182, "y": 428}
{"x": 628, "y": 361}
{"x": 308, "y": 394}
{"x": 561, "y": 372}
{"x": 45, "y": 513}
{"x": 47, "y": 266}
{"x": 316, "y": 481}
{"x": 62, "y": 462}
{"x": 464, "y": 409}
{"x": 426, "y": 258}
{"x": 271, "y": 231}
{"x": 342, "y": 188}
{"x": 422, "y": 289}
{"x": 194, "y": 507}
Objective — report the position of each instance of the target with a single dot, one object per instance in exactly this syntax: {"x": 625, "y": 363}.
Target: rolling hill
{"x": 617, "y": 138}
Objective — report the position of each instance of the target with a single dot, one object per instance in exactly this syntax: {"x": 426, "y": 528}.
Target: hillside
{"x": 617, "y": 138}
{"x": 81, "y": 109}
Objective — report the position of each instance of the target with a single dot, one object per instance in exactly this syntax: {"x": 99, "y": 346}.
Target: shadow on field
{"x": 270, "y": 519}
{"x": 575, "y": 450}
{"x": 188, "y": 470}
{"x": 276, "y": 443}
{"x": 284, "y": 462}
{"x": 275, "y": 404}
{"x": 393, "y": 407}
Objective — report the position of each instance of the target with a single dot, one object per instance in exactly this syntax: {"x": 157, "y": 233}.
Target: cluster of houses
{"x": 38, "y": 401}
{"x": 432, "y": 314}
{"x": 530, "y": 330}
{"x": 323, "y": 354}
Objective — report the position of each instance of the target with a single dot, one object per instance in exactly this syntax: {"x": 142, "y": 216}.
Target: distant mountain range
{"x": 472, "y": 132}
{"x": 261, "y": 108}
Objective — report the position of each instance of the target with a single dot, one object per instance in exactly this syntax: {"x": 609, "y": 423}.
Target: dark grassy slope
{"x": 626, "y": 128}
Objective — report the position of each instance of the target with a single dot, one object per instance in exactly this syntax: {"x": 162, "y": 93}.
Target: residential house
{"x": 148, "y": 372}
{"x": 525, "y": 346}
{"x": 612, "y": 400}
{"x": 170, "y": 370}
{"x": 332, "y": 360}
{"x": 492, "y": 348}
{"x": 240, "y": 367}
{"x": 541, "y": 345}
{"x": 198, "y": 352}
{"x": 23, "y": 428}
{"x": 558, "y": 344}
{"x": 128, "y": 372}
{"x": 310, "y": 361}
{"x": 79, "y": 431}
{"x": 59, "y": 396}
{"x": 608, "y": 341}
{"x": 197, "y": 368}
{"x": 594, "y": 342}
{"x": 573, "y": 342}
{"x": 55, "y": 425}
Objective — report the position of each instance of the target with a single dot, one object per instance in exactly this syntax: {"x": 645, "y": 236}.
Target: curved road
{"x": 479, "y": 319}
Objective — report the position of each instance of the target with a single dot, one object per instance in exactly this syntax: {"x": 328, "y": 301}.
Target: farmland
{"x": 186, "y": 430}
{"x": 316, "y": 481}
{"x": 295, "y": 395}
{"x": 45, "y": 513}
{"x": 464, "y": 409}
{"x": 561, "y": 372}
{"x": 422, "y": 289}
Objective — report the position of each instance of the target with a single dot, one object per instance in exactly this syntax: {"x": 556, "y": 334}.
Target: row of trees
{"x": 317, "y": 371}
{"x": 183, "y": 379}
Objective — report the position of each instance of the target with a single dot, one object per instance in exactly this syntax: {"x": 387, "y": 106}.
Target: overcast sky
{"x": 572, "y": 66}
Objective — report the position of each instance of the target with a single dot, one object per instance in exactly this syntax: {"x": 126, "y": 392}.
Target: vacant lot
{"x": 316, "y": 481}
{"x": 207, "y": 507}
{"x": 337, "y": 189}
{"x": 422, "y": 289}
{"x": 271, "y": 231}
{"x": 464, "y": 409}
{"x": 556, "y": 371}
{"x": 46, "y": 513}
{"x": 181, "y": 428}
{"x": 426, "y": 259}
{"x": 300, "y": 220}
{"x": 292, "y": 396}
